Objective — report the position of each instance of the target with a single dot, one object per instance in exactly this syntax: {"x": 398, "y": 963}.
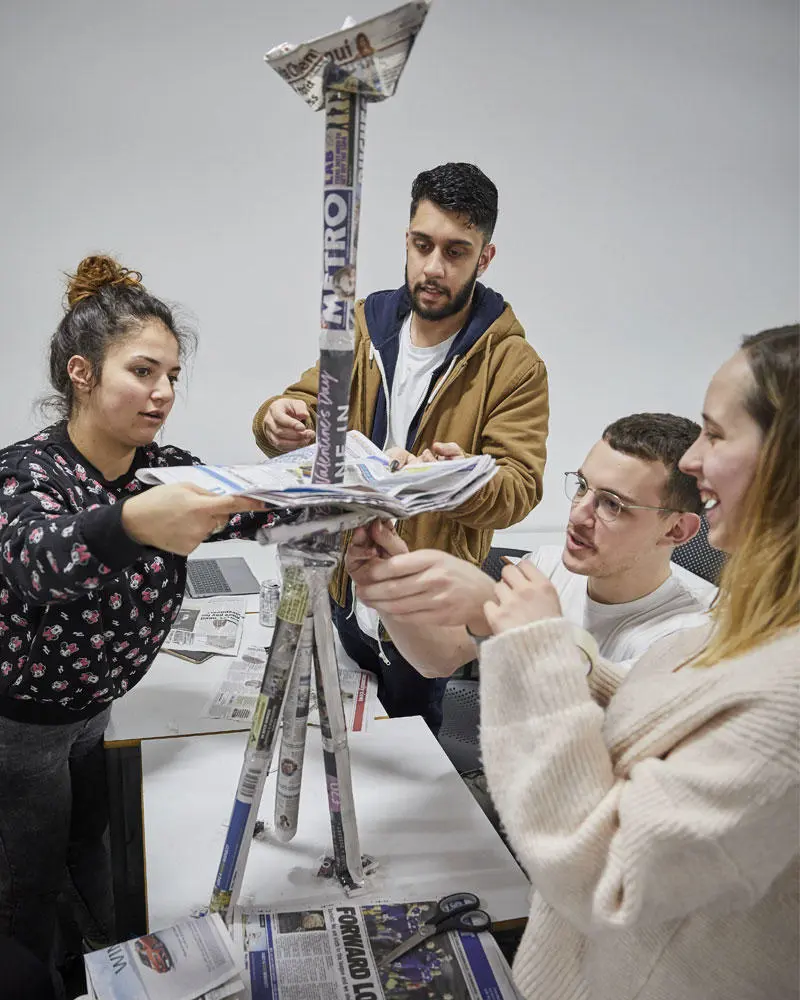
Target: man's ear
{"x": 486, "y": 257}
{"x": 685, "y": 527}
{"x": 80, "y": 374}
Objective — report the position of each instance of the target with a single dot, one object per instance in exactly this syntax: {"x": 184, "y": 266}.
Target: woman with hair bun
{"x": 92, "y": 573}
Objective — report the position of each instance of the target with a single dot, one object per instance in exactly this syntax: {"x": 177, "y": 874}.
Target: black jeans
{"x": 22, "y": 975}
{"x": 53, "y": 817}
{"x": 401, "y": 689}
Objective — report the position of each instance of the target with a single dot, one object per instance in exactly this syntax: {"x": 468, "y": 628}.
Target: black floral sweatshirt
{"x": 83, "y": 608}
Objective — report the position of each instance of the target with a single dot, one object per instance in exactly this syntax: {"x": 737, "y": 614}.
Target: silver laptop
{"x": 217, "y": 577}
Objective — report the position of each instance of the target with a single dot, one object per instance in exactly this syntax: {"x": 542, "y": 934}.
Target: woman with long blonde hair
{"x": 657, "y": 815}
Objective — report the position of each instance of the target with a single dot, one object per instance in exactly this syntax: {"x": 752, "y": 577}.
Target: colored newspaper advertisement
{"x": 213, "y": 625}
{"x": 237, "y": 695}
{"x": 332, "y": 953}
{"x": 195, "y": 959}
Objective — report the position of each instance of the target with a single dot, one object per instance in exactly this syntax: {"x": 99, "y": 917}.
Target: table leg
{"x": 126, "y": 837}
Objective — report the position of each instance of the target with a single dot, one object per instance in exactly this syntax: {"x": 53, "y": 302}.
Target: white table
{"x": 414, "y": 814}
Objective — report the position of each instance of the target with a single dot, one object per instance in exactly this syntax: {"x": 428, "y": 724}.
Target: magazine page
{"x": 182, "y": 962}
{"x": 333, "y": 953}
{"x": 214, "y": 624}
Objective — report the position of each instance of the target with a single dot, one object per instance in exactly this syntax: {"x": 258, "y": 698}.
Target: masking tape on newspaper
{"x": 294, "y": 596}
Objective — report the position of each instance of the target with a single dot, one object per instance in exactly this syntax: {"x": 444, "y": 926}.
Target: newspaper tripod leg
{"x": 303, "y": 622}
{"x": 347, "y": 862}
{"x": 261, "y": 741}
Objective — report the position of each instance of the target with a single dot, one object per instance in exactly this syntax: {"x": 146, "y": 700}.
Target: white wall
{"x": 646, "y": 155}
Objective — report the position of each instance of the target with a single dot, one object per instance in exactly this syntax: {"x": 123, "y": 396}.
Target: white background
{"x": 646, "y": 155}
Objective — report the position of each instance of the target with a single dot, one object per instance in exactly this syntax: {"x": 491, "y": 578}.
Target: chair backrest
{"x": 493, "y": 563}
{"x": 698, "y": 557}
{"x": 458, "y": 735}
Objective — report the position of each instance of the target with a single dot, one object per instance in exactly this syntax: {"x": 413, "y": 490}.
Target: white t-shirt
{"x": 412, "y": 375}
{"x": 625, "y": 631}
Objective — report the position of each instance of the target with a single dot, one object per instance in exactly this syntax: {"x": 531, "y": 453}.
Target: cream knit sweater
{"x": 661, "y": 832}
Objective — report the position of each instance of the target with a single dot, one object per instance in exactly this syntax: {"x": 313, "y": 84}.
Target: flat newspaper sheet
{"x": 332, "y": 953}
{"x": 195, "y": 959}
{"x": 214, "y": 625}
{"x": 285, "y": 481}
{"x": 236, "y": 697}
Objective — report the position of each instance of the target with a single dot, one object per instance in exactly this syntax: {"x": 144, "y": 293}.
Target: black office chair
{"x": 698, "y": 557}
{"x": 458, "y": 735}
{"x": 493, "y": 563}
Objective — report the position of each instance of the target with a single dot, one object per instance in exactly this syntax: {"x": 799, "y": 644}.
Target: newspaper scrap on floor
{"x": 332, "y": 953}
{"x": 195, "y": 959}
{"x": 367, "y": 57}
{"x": 237, "y": 695}
{"x": 285, "y": 481}
{"x": 213, "y": 625}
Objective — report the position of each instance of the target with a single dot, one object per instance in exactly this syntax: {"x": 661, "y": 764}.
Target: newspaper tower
{"x": 340, "y": 73}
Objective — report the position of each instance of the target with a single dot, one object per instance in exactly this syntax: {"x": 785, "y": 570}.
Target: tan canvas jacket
{"x": 492, "y": 400}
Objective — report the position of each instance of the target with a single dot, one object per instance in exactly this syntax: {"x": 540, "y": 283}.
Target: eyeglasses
{"x": 607, "y": 505}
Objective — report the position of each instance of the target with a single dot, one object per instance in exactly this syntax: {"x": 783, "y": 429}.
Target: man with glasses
{"x": 630, "y": 507}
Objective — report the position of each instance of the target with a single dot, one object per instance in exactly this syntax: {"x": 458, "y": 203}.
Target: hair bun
{"x": 93, "y": 273}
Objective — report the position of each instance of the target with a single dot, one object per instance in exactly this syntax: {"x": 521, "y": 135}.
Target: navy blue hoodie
{"x": 385, "y": 313}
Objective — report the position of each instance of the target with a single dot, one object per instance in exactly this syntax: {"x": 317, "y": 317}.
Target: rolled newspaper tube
{"x": 328, "y": 524}
{"x": 341, "y": 72}
{"x": 293, "y": 736}
{"x": 261, "y": 742}
{"x": 335, "y": 751}
{"x": 345, "y": 129}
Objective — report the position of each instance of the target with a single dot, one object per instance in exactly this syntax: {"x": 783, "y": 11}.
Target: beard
{"x": 453, "y": 303}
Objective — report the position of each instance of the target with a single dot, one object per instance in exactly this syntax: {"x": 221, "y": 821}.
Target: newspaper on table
{"x": 195, "y": 959}
{"x": 286, "y": 482}
{"x": 213, "y": 624}
{"x": 332, "y": 953}
{"x": 237, "y": 696}
{"x": 365, "y": 58}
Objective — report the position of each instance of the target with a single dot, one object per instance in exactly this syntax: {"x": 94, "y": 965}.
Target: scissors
{"x": 457, "y": 912}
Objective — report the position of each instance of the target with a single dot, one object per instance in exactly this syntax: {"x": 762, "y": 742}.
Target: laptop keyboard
{"x": 206, "y": 577}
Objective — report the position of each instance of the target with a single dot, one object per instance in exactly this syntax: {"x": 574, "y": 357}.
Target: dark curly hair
{"x": 461, "y": 188}
{"x": 104, "y": 303}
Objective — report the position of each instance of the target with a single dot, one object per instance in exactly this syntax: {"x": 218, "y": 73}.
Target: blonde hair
{"x": 759, "y": 594}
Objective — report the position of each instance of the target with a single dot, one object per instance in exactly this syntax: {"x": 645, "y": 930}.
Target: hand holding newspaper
{"x": 195, "y": 959}
{"x": 369, "y": 483}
